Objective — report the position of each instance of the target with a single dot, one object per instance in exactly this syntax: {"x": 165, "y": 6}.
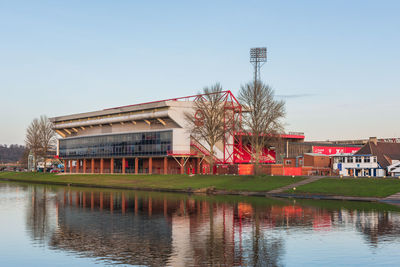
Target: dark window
{"x": 130, "y": 144}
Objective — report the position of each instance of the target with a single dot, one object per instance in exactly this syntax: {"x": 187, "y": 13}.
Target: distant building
{"x": 296, "y": 149}
{"x": 373, "y": 159}
{"x": 330, "y": 147}
{"x": 394, "y": 169}
{"x": 311, "y": 163}
{"x": 357, "y": 165}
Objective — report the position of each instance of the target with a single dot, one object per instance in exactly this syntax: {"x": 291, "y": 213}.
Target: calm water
{"x": 61, "y": 226}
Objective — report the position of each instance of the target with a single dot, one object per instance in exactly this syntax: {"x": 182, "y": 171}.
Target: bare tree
{"x": 47, "y": 137}
{"x": 40, "y": 138}
{"x": 24, "y": 158}
{"x": 33, "y": 141}
{"x": 262, "y": 116}
{"x": 206, "y": 122}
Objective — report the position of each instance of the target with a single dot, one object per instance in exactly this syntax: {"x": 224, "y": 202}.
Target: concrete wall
{"x": 180, "y": 140}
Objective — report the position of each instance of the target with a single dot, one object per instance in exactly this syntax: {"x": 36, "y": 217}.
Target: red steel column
{"x": 123, "y": 165}
{"x": 92, "y": 168}
{"x": 101, "y": 165}
{"x": 84, "y": 165}
{"x": 77, "y": 165}
{"x": 182, "y": 167}
{"x": 198, "y": 166}
{"x": 65, "y": 165}
{"x": 112, "y": 165}
{"x": 165, "y": 165}
{"x": 70, "y": 166}
{"x": 150, "y": 165}
{"x": 136, "y": 165}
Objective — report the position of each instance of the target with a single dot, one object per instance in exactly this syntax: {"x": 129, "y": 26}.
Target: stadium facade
{"x": 153, "y": 138}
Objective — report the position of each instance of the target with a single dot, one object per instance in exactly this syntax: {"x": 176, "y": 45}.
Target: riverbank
{"x": 351, "y": 189}
{"x": 170, "y": 183}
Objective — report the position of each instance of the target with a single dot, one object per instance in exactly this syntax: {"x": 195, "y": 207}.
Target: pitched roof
{"x": 384, "y": 151}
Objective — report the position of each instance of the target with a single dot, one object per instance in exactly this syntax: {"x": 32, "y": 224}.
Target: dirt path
{"x": 395, "y": 197}
{"x": 287, "y": 187}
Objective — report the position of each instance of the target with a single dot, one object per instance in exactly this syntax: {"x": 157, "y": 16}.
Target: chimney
{"x": 373, "y": 140}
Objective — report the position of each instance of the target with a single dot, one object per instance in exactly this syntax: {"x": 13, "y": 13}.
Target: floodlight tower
{"x": 258, "y": 57}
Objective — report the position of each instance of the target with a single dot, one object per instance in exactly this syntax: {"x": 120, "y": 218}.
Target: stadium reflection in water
{"x": 161, "y": 229}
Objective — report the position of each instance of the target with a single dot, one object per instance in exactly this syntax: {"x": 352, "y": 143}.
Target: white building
{"x": 394, "y": 169}
{"x": 357, "y": 165}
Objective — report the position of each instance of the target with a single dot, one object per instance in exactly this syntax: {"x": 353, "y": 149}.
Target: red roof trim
{"x": 291, "y": 136}
{"x": 176, "y": 99}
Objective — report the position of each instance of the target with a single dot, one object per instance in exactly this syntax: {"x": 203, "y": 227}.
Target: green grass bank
{"x": 346, "y": 187}
{"x": 357, "y": 187}
{"x": 161, "y": 182}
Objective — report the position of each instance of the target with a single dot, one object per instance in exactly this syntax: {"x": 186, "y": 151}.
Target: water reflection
{"x": 155, "y": 229}
{"x": 41, "y": 215}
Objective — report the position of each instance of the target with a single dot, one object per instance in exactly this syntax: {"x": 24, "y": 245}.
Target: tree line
{"x": 11, "y": 153}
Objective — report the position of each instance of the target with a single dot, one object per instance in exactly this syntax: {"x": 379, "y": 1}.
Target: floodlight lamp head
{"x": 258, "y": 54}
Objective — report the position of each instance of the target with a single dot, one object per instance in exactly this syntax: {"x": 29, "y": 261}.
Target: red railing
{"x": 202, "y": 149}
{"x": 180, "y": 153}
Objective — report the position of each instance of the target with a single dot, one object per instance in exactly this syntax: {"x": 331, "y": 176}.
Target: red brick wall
{"x": 317, "y": 161}
{"x": 289, "y": 162}
{"x": 273, "y": 169}
{"x": 306, "y": 170}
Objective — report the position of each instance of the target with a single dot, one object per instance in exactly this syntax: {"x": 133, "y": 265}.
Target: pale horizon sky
{"x": 336, "y": 63}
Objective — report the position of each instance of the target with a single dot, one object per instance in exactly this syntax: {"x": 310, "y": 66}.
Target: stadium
{"x": 155, "y": 138}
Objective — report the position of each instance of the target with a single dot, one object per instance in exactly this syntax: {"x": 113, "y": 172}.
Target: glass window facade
{"x": 117, "y": 145}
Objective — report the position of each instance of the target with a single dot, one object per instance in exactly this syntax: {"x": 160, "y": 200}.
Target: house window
{"x": 366, "y": 159}
{"x": 358, "y": 159}
{"x": 350, "y": 159}
{"x": 374, "y": 159}
{"x": 288, "y": 162}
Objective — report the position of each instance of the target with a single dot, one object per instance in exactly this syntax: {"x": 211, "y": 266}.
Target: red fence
{"x": 292, "y": 171}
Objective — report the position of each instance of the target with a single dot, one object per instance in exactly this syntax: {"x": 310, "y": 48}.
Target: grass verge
{"x": 170, "y": 182}
{"x": 357, "y": 187}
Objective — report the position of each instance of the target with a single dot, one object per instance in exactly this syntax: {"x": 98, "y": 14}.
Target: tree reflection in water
{"x": 158, "y": 229}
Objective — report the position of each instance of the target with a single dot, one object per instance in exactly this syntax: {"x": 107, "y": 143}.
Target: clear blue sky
{"x": 337, "y": 63}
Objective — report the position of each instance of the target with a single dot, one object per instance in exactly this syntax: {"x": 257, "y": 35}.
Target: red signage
{"x": 331, "y": 150}
{"x": 243, "y": 155}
